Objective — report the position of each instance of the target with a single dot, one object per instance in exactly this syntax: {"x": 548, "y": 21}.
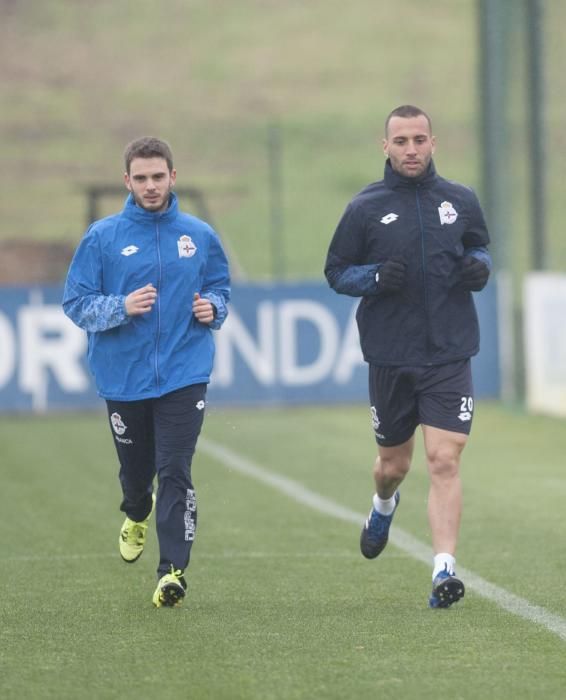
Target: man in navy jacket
{"x": 413, "y": 246}
{"x": 147, "y": 285}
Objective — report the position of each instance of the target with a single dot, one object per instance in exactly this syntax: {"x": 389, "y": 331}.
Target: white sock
{"x": 442, "y": 561}
{"x": 384, "y": 506}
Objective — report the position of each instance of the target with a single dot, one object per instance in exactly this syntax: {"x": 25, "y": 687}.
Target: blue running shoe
{"x": 375, "y": 532}
{"x": 446, "y": 589}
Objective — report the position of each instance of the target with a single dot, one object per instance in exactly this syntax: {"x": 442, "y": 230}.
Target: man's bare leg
{"x": 443, "y": 451}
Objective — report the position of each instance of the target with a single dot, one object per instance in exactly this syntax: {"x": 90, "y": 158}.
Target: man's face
{"x": 409, "y": 145}
{"x": 150, "y": 183}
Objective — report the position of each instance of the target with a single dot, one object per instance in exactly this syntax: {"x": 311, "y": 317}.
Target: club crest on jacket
{"x": 186, "y": 247}
{"x": 447, "y": 213}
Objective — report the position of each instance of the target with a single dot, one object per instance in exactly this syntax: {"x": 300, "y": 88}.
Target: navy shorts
{"x": 402, "y": 398}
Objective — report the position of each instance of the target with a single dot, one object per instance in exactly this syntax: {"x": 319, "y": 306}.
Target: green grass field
{"x": 281, "y": 604}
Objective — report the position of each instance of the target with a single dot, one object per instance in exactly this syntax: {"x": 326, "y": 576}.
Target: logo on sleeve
{"x": 389, "y": 218}
{"x": 186, "y": 247}
{"x": 447, "y": 213}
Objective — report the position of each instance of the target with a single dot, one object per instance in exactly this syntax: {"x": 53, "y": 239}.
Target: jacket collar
{"x": 141, "y": 215}
{"x": 395, "y": 180}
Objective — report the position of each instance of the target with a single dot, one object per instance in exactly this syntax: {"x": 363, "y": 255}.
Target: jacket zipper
{"x": 423, "y": 260}
{"x": 156, "y": 362}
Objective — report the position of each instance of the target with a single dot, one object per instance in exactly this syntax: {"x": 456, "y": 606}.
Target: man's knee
{"x": 444, "y": 460}
{"x": 393, "y": 466}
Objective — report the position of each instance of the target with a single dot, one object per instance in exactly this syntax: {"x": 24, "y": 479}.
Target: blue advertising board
{"x": 282, "y": 343}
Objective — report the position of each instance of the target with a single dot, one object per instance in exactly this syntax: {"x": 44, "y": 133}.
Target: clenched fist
{"x": 203, "y": 309}
{"x": 390, "y": 276}
{"x": 141, "y": 300}
{"x": 475, "y": 274}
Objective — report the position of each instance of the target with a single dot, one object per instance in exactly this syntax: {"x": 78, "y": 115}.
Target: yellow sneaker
{"x": 132, "y": 536}
{"x": 170, "y": 590}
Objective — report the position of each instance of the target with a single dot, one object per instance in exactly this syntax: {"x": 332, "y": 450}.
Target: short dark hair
{"x": 148, "y": 147}
{"x": 406, "y": 112}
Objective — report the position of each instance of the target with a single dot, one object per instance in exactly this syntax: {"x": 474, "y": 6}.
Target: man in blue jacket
{"x": 147, "y": 285}
{"x": 413, "y": 247}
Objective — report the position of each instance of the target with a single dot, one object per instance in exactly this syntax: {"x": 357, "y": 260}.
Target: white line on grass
{"x": 407, "y": 543}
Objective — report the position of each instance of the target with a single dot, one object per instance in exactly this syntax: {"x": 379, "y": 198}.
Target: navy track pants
{"x": 158, "y": 437}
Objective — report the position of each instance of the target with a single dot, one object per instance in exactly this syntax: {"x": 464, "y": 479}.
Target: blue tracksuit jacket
{"x": 146, "y": 356}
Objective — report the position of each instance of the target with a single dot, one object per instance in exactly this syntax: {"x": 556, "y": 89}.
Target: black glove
{"x": 390, "y": 276}
{"x": 475, "y": 274}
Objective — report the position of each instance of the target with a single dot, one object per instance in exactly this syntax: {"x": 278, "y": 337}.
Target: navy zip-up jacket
{"x": 431, "y": 224}
{"x": 147, "y": 355}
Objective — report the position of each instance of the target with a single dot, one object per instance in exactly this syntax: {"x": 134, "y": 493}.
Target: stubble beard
{"x": 158, "y": 205}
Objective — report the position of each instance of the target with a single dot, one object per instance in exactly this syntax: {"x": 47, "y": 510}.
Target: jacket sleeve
{"x": 480, "y": 253}
{"x": 216, "y": 282}
{"x": 83, "y": 300}
{"x": 476, "y": 237}
{"x": 343, "y": 268}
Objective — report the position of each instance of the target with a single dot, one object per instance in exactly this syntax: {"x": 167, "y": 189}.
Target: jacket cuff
{"x": 220, "y": 307}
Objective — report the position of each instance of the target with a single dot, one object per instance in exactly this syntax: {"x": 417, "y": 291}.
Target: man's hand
{"x": 390, "y": 276}
{"x": 203, "y": 309}
{"x": 141, "y": 300}
{"x": 475, "y": 274}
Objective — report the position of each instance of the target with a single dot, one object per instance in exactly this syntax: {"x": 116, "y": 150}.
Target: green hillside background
{"x": 80, "y": 79}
